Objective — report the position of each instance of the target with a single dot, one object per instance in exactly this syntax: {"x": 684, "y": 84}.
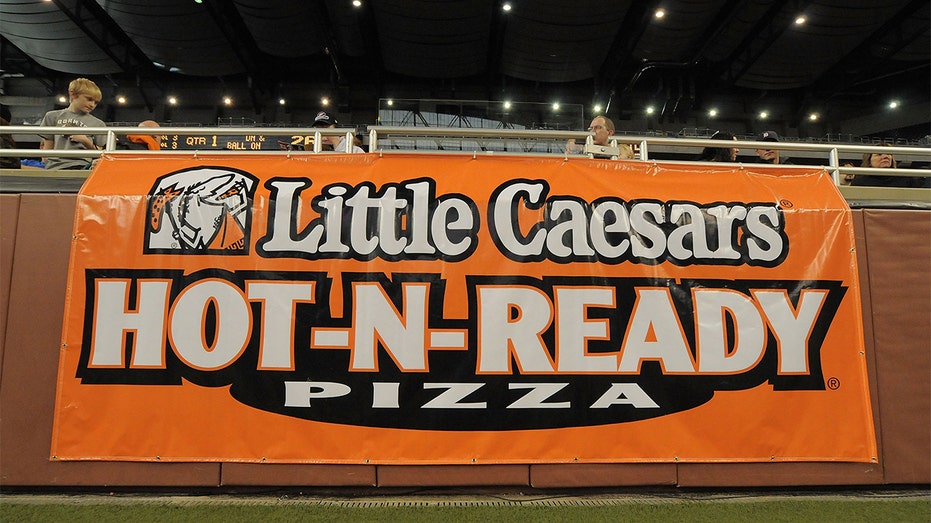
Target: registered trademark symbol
{"x": 787, "y": 204}
{"x": 833, "y": 383}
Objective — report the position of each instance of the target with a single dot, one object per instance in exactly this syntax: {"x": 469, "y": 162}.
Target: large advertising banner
{"x": 442, "y": 309}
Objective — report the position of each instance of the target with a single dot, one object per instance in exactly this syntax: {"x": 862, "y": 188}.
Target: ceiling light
{"x": 555, "y": 106}
{"x": 390, "y": 102}
{"x": 62, "y": 99}
{"x": 506, "y": 7}
{"x": 893, "y": 104}
{"x": 282, "y": 101}
{"x": 712, "y": 112}
{"x": 764, "y": 115}
{"x": 813, "y": 117}
{"x": 357, "y": 3}
{"x": 659, "y": 13}
{"x": 324, "y": 101}
{"x": 596, "y": 109}
{"x": 650, "y": 110}
{"x": 198, "y": 1}
{"x": 507, "y": 105}
{"x": 172, "y": 100}
{"x": 121, "y": 99}
{"x": 227, "y": 100}
{"x": 800, "y": 20}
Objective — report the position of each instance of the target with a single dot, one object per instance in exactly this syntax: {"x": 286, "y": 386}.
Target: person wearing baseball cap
{"x": 332, "y": 143}
{"x": 769, "y": 155}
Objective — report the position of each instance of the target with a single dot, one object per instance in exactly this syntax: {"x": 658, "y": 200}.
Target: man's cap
{"x": 768, "y": 136}
{"x": 324, "y": 120}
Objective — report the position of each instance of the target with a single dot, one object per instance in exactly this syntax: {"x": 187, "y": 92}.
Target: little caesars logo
{"x": 206, "y": 210}
{"x": 525, "y": 353}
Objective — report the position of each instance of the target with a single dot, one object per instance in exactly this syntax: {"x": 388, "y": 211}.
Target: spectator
{"x": 7, "y": 141}
{"x": 141, "y": 142}
{"x": 603, "y": 128}
{"x": 720, "y": 154}
{"x": 332, "y": 143}
{"x": 770, "y": 155}
{"x": 846, "y": 179}
{"x": 85, "y": 95}
{"x": 886, "y": 161}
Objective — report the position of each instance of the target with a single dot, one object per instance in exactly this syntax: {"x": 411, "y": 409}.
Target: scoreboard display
{"x": 235, "y": 142}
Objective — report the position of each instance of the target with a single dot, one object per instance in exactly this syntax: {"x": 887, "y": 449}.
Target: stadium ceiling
{"x": 846, "y": 61}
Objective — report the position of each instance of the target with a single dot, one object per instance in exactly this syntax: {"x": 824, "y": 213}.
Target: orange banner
{"x": 453, "y": 309}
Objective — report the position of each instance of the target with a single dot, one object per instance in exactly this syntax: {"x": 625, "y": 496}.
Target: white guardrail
{"x": 472, "y": 141}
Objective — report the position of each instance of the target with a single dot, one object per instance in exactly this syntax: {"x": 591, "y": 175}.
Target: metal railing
{"x": 510, "y": 142}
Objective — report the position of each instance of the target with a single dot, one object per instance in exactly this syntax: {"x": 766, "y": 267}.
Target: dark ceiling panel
{"x": 833, "y": 29}
{"x": 52, "y": 39}
{"x": 546, "y": 42}
{"x": 179, "y": 35}
{"x": 283, "y": 27}
{"x": 344, "y": 22}
{"x": 434, "y": 39}
{"x": 676, "y": 36}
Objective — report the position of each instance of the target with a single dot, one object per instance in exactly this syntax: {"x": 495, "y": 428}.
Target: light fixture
{"x": 506, "y": 7}
{"x": 507, "y": 104}
{"x": 764, "y": 115}
{"x": 324, "y": 101}
{"x": 555, "y": 106}
{"x": 357, "y": 3}
{"x": 390, "y": 101}
{"x": 800, "y": 20}
{"x": 121, "y": 99}
{"x": 659, "y": 13}
{"x": 650, "y": 109}
{"x": 62, "y": 99}
{"x": 712, "y": 112}
{"x": 597, "y": 108}
{"x": 813, "y": 117}
{"x": 893, "y": 104}
{"x": 227, "y": 100}
{"x": 172, "y": 100}
{"x": 281, "y": 101}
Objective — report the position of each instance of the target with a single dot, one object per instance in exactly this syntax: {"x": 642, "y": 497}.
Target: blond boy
{"x": 85, "y": 95}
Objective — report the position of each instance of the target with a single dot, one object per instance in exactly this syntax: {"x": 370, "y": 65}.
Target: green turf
{"x": 918, "y": 510}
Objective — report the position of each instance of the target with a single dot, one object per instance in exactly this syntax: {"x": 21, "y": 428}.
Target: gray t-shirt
{"x": 68, "y": 118}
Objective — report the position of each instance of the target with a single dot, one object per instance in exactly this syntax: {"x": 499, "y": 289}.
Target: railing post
{"x": 834, "y": 161}
{"x": 373, "y": 140}
{"x": 644, "y": 151}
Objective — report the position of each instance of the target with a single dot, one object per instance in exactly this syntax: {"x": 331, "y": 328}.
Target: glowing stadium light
{"x": 712, "y": 112}
{"x": 506, "y": 7}
{"x": 507, "y": 104}
{"x": 357, "y": 3}
{"x": 764, "y": 115}
{"x": 813, "y": 117}
{"x": 282, "y": 101}
{"x": 227, "y": 100}
{"x": 894, "y": 104}
{"x": 596, "y": 109}
{"x": 121, "y": 100}
{"x": 555, "y": 106}
{"x": 800, "y": 20}
{"x": 62, "y": 99}
{"x": 650, "y": 110}
{"x": 172, "y": 100}
{"x": 659, "y": 13}
{"x": 324, "y": 101}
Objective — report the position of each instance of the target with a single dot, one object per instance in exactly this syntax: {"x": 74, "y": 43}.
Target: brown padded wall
{"x": 899, "y": 255}
{"x": 9, "y": 212}
{"x": 896, "y": 305}
{"x": 30, "y": 366}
